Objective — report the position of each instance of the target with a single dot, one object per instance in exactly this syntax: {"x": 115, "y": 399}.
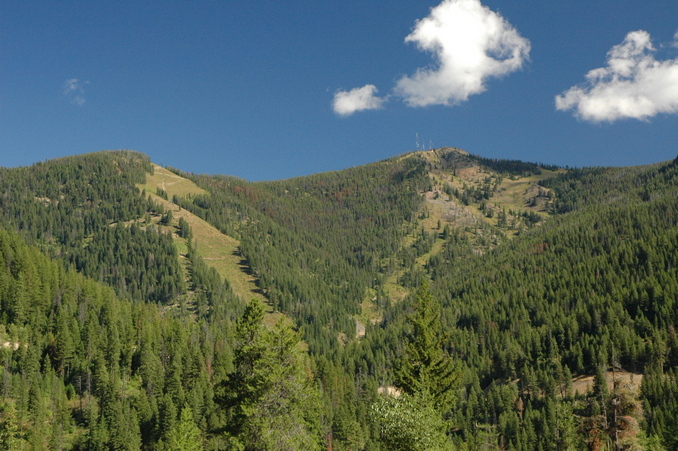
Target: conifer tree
{"x": 10, "y": 432}
{"x": 426, "y": 369}
{"x": 270, "y": 401}
{"x": 186, "y": 435}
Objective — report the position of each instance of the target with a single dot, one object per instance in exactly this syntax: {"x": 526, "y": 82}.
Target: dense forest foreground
{"x": 432, "y": 301}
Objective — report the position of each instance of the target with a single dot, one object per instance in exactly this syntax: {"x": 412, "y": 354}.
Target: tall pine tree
{"x": 270, "y": 400}
{"x": 426, "y": 369}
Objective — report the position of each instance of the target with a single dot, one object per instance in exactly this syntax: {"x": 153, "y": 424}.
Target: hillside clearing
{"x": 170, "y": 182}
{"x": 218, "y": 250}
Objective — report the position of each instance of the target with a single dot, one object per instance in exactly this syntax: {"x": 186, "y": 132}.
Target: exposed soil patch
{"x": 623, "y": 379}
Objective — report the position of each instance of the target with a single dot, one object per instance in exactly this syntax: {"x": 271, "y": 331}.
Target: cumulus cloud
{"x": 74, "y": 89}
{"x": 470, "y": 43}
{"x": 633, "y": 84}
{"x": 358, "y": 99}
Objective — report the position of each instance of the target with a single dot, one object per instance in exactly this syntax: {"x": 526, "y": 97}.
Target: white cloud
{"x": 358, "y": 99}
{"x": 633, "y": 84}
{"x": 470, "y": 44}
{"x": 74, "y": 89}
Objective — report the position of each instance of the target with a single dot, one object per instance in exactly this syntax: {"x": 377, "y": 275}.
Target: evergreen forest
{"x": 433, "y": 301}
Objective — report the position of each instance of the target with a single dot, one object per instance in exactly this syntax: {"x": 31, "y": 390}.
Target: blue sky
{"x": 249, "y": 88}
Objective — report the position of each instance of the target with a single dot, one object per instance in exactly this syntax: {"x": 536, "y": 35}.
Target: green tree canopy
{"x": 270, "y": 400}
{"x": 426, "y": 369}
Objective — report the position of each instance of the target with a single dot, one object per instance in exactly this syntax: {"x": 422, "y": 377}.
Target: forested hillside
{"x": 79, "y": 209}
{"x": 447, "y": 301}
{"x": 318, "y": 243}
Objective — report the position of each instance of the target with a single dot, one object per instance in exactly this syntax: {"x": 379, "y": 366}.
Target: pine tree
{"x": 427, "y": 370}
{"x": 249, "y": 378}
{"x": 271, "y": 402}
{"x": 185, "y": 436}
{"x": 10, "y": 432}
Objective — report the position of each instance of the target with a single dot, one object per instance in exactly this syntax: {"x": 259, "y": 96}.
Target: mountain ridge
{"x": 548, "y": 281}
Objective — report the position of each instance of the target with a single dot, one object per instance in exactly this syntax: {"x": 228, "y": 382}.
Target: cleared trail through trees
{"x": 217, "y": 249}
